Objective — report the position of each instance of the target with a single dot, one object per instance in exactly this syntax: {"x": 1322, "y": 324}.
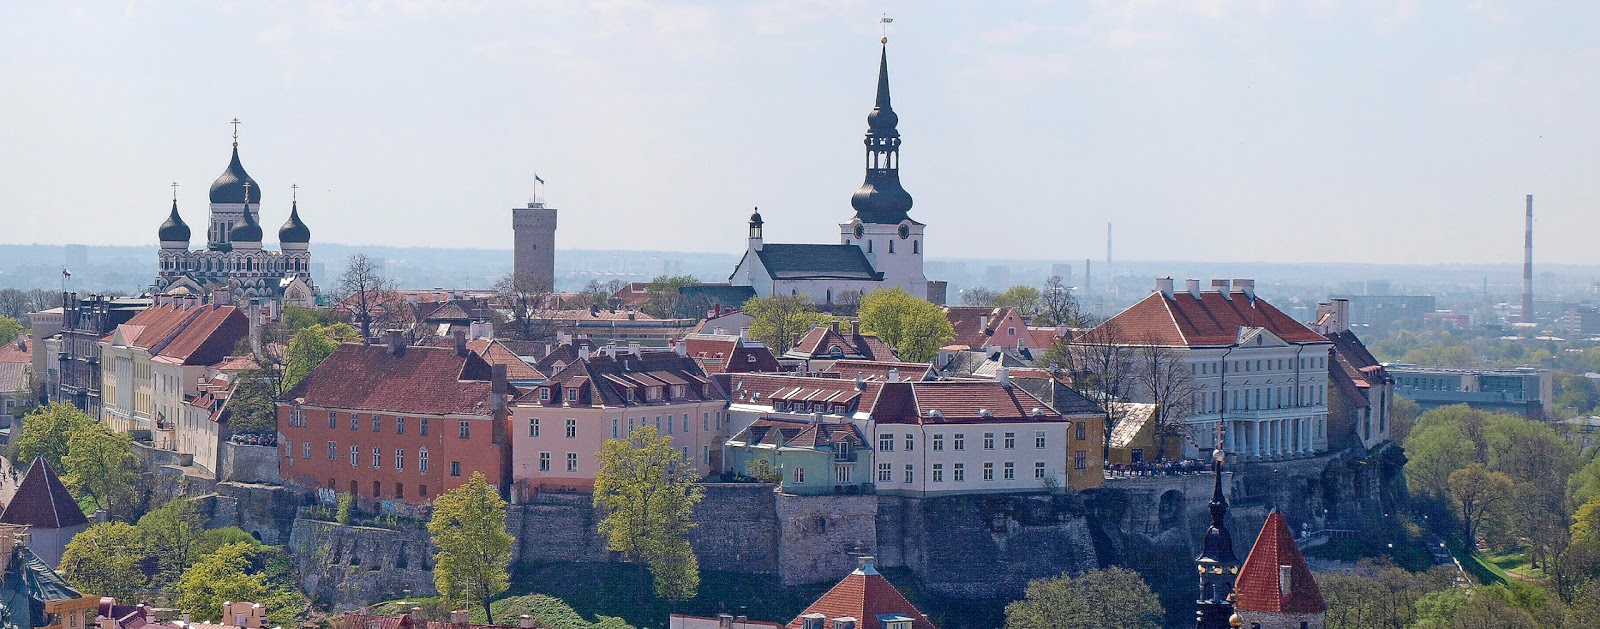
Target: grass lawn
{"x": 1409, "y": 552}
{"x": 1514, "y": 564}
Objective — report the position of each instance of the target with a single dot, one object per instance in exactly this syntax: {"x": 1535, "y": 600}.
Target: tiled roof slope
{"x": 1207, "y": 320}
{"x": 727, "y": 353}
{"x": 819, "y": 340}
{"x": 808, "y": 261}
{"x": 879, "y": 369}
{"x": 968, "y": 323}
{"x": 762, "y": 388}
{"x": 1259, "y": 587}
{"x": 1061, "y": 396}
{"x": 604, "y": 381}
{"x": 152, "y": 327}
{"x": 797, "y": 433}
{"x": 864, "y": 595}
{"x": 960, "y": 402}
{"x": 17, "y": 351}
{"x": 496, "y": 353}
{"x": 209, "y": 337}
{"x": 43, "y": 501}
{"x": 421, "y": 380}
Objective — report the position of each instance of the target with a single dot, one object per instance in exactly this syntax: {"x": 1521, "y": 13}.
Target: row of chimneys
{"x": 1221, "y": 287}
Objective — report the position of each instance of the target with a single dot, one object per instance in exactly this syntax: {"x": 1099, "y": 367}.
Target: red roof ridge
{"x": 1275, "y": 577}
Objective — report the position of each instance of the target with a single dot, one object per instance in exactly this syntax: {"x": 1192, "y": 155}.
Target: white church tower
{"x": 891, "y": 240}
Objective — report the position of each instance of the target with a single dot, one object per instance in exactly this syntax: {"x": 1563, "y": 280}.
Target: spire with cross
{"x": 294, "y": 193}
{"x": 235, "y": 123}
{"x": 174, "y": 192}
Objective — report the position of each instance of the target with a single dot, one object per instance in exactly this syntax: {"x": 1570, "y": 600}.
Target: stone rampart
{"x": 248, "y": 463}
{"x": 820, "y": 536}
{"x": 345, "y": 567}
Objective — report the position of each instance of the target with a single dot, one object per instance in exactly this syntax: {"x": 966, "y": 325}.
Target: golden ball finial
{"x": 885, "y": 40}
{"x": 1235, "y": 620}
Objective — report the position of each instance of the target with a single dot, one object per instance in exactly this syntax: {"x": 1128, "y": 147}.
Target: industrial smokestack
{"x": 1527, "y": 268}
{"x": 1086, "y": 277}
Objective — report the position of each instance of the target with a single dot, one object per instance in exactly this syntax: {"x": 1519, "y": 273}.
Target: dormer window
{"x": 572, "y": 395}
{"x": 653, "y": 393}
{"x": 841, "y": 451}
{"x": 627, "y": 394}
{"x": 544, "y": 394}
{"x": 677, "y": 390}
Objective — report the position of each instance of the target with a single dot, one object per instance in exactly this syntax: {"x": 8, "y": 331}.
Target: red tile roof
{"x": 605, "y": 381}
{"x": 819, "y": 342}
{"x": 42, "y": 501}
{"x": 967, "y": 322}
{"x": 1259, "y": 586}
{"x": 209, "y": 337}
{"x": 154, "y": 326}
{"x": 877, "y": 369}
{"x": 496, "y": 353}
{"x": 421, "y": 380}
{"x": 960, "y": 402}
{"x": 864, "y": 595}
{"x": 1207, "y": 320}
{"x": 17, "y": 351}
{"x": 1043, "y": 337}
{"x": 728, "y": 353}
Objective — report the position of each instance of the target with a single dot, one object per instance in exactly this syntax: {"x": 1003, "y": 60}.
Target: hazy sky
{"x": 1271, "y": 131}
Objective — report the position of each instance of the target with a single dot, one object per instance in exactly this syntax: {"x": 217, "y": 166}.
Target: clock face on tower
{"x": 905, "y": 231}
{"x": 860, "y": 231}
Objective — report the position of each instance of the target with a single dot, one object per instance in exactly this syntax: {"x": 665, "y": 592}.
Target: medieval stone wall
{"x": 248, "y": 464}
{"x": 821, "y": 536}
{"x": 345, "y": 567}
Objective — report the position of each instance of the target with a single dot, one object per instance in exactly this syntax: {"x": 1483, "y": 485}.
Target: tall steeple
{"x": 880, "y": 198}
{"x": 1217, "y": 564}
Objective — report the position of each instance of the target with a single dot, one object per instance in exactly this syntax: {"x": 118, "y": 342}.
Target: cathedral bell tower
{"x": 886, "y": 234}
{"x": 1217, "y": 564}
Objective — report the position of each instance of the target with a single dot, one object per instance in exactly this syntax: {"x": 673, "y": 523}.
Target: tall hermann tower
{"x": 534, "y": 240}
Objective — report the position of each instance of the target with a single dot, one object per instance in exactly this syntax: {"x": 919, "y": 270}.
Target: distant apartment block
{"x": 1523, "y": 390}
{"x": 1384, "y": 310}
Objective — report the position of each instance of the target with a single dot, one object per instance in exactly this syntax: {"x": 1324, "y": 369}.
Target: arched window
{"x": 916, "y": 247}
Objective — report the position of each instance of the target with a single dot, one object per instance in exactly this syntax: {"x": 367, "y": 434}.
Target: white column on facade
{"x": 1255, "y": 441}
{"x": 1277, "y": 436}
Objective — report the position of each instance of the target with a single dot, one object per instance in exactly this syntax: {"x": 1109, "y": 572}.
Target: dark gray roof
{"x": 42, "y": 501}
{"x": 800, "y": 262}
{"x": 1062, "y": 398}
{"x": 247, "y": 230}
{"x": 229, "y": 188}
{"x": 174, "y": 229}
{"x": 728, "y": 296}
{"x": 294, "y": 230}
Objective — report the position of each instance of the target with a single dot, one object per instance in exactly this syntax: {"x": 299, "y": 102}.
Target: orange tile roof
{"x": 17, "y": 351}
{"x": 209, "y": 337}
{"x": 1207, "y": 320}
{"x": 864, "y": 595}
{"x": 496, "y": 353}
{"x": 421, "y": 380}
{"x": 1258, "y": 587}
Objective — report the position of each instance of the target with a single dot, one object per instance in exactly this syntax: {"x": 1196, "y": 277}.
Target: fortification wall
{"x": 819, "y": 537}
{"x": 345, "y": 567}
{"x": 248, "y": 464}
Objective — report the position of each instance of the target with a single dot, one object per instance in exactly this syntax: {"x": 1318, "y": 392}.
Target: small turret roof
{"x": 229, "y": 188}
{"x": 42, "y": 501}
{"x": 294, "y": 230}
{"x": 174, "y": 229}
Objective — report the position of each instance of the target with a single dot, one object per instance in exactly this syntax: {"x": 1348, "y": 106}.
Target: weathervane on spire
{"x": 883, "y": 23}
{"x": 235, "y": 123}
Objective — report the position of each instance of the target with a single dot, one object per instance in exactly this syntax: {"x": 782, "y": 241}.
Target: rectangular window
{"x": 333, "y": 420}
{"x": 885, "y": 472}
{"x": 572, "y": 395}
{"x": 614, "y": 427}
{"x": 938, "y": 443}
{"x": 333, "y": 451}
{"x": 464, "y": 429}
{"x": 377, "y": 458}
{"x": 886, "y": 442}
{"x": 1038, "y": 470}
{"x": 960, "y": 442}
{"x": 355, "y": 421}
{"x": 988, "y": 470}
{"x": 533, "y": 426}
{"x": 377, "y": 423}
{"x": 1038, "y": 439}
{"x": 911, "y": 474}
{"x": 544, "y": 461}
{"x": 1082, "y": 430}
{"x": 399, "y": 490}
{"x": 399, "y": 425}
{"x": 424, "y": 427}
{"x": 686, "y": 422}
{"x": 455, "y": 468}
{"x": 305, "y": 450}
{"x": 1080, "y": 460}
{"x": 355, "y": 456}
{"x": 1010, "y": 441}
{"x": 705, "y": 455}
{"x": 399, "y": 459}
{"x": 288, "y": 450}
{"x": 572, "y": 429}
{"x": 1009, "y": 470}
{"x": 909, "y": 442}
{"x": 988, "y": 441}
{"x": 572, "y": 461}
{"x": 958, "y": 472}
{"x": 938, "y": 472}
{"x": 799, "y": 475}
{"x": 422, "y": 463}
{"x": 544, "y": 394}
{"x": 705, "y": 422}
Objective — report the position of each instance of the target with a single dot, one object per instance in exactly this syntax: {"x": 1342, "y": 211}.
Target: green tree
{"x": 212, "y": 539}
{"x": 469, "y": 527}
{"x": 1058, "y": 306}
{"x": 222, "y": 576}
{"x": 253, "y": 407}
{"x": 662, "y": 298}
{"x": 104, "y": 559}
{"x": 309, "y": 347}
{"x": 1379, "y": 595}
{"x": 10, "y": 329}
{"x": 46, "y": 432}
{"x": 101, "y": 464}
{"x": 1483, "y": 606}
{"x": 1478, "y": 494}
{"x": 647, "y": 493}
{"x": 1403, "y": 414}
{"x": 1586, "y": 522}
{"x": 169, "y": 534}
{"x": 778, "y": 319}
{"x": 1027, "y": 300}
{"x": 1113, "y": 597}
{"x": 1584, "y": 484}
{"x": 915, "y": 328}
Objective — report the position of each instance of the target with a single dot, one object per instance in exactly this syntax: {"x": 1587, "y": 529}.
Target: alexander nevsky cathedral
{"x": 233, "y": 259}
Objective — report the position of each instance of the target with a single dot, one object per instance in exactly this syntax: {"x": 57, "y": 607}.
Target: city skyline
{"x": 660, "y": 125}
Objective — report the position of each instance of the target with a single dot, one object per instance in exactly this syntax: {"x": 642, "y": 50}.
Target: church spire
{"x": 881, "y": 199}
{"x": 1217, "y": 564}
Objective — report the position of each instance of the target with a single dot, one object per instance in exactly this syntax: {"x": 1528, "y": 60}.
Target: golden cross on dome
{"x": 247, "y": 196}
{"x": 235, "y": 123}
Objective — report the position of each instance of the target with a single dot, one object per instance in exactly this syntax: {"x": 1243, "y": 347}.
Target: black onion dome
{"x": 246, "y": 231}
{"x": 294, "y": 230}
{"x": 229, "y": 188}
{"x": 174, "y": 229}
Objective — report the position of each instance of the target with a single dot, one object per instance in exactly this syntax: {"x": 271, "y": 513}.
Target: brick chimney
{"x": 396, "y": 342}
{"x": 498, "y": 387}
{"x": 855, "y": 327}
{"x": 461, "y": 342}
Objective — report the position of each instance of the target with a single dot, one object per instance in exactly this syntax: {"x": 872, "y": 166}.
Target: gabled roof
{"x": 1210, "y": 319}
{"x": 723, "y": 294}
{"x": 879, "y": 370}
{"x": 866, "y": 596}
{"x": 762, "y": 388}
{"x": 209, "y": 337}
{"x": 496, "y": 353}
{"x": 726, "y": 353}
{"x": 807, "y": 261}
{"x": 606, "y": 381}
{"x": 421, "y": 380}
{"x": 1057, "y": 392}
{"x": 969, "y": 324}
{"x": 1261, "y": 587}
{"x": 799, "y": 433}
{"x": 1131, "y": 418}
{"x": 960, "y": 402}
{"x": 819, "y": 342}
{"x": 42, "y": 501}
